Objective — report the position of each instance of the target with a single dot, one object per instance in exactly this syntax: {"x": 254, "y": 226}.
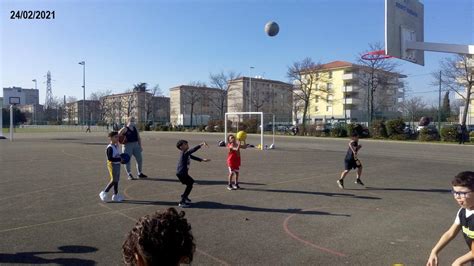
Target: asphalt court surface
{"x": 290, "y": 210}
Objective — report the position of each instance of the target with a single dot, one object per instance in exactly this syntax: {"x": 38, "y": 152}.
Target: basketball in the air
{"x": 272, "y": 28}
{"x": 241, "y": 135}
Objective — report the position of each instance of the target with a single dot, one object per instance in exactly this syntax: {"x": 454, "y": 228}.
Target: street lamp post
{"x": 34, "y": 105}
{"x": 250, "y": 89}
{"x": 83, "y": 63}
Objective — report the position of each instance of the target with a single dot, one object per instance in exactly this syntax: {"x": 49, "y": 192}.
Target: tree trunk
{"x": 192, "y": 110}
{"x": 305, "y": 111}
{"x": 466, "y": 106}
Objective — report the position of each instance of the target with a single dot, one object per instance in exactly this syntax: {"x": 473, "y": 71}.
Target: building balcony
{"x": 349, "y": 88}
{"x": 349, "y": 76}
{"x": 350, "y": 101}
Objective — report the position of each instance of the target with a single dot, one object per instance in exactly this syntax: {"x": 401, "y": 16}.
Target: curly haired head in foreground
{"x": 161, "y": 238}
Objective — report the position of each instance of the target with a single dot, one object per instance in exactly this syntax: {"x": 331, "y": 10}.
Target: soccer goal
{"x": 251, "y": 122}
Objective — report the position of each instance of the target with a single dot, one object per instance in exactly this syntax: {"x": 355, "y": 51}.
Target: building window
{"x": 329, "y": 87}
{"x": 317, "y": 99}
{"x": 316, "y": 109}
{"x": 329, "y": 108}
{"x": 330, "y": 74}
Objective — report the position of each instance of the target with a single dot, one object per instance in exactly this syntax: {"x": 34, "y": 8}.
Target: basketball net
{"x": 375, "y": 55}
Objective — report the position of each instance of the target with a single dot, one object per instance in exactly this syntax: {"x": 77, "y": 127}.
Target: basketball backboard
{"x": 404, "y": 22}
{"x": 14, "y": 100}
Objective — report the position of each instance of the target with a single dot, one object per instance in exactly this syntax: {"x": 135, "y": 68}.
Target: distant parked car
{"x": 470, "y": 128}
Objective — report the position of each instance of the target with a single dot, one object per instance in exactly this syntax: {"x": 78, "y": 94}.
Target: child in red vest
{"x": 233, "y": 161}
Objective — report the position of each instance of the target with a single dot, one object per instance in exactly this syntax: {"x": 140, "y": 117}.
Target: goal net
{"x": 259, "y": 123}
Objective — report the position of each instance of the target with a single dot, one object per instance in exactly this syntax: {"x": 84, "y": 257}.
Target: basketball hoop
{"x": 375, "y": 55}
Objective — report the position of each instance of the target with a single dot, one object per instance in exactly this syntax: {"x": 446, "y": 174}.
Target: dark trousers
{"x": 187, "y": 180}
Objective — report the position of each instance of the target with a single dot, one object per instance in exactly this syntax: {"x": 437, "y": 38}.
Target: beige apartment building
{"x": 340, "y": 94}
{"x": 194, "y": 106}
{"x": 268, "y": 96}
{"x": 74, "y": 115}
{"x": 116, "y": 108}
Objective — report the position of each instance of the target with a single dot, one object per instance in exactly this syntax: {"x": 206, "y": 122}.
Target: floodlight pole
{"x": 83, "y": 63}
{"x": 34, "y": 105}
{"x": 11, "y": 122}
{"x": 250, "y": 89}
{"x": 1, "y": 120}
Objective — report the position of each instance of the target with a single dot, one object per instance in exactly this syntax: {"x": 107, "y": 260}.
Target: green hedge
{"x": 449, "y": 133}
{"x": 428, "y": 134}
{"x": 362, "y": 131}
{"x": 339, "y": 132}
{"x": 379, "y": 130}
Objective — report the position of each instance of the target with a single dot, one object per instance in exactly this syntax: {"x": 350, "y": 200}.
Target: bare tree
{"x": 305, "y": 76}
{"x": 192, "y": 96}
{"x": 413, "y": 108}
{"x": 68, "y": 109}
{"x": 130, "y": 103}
{"x": 376, "y": 75}
{"x": 221, "y": 82}
{"x": 150, "y": 103}
{"x": 103, "y": 108}
{"x": 457, "y": 74}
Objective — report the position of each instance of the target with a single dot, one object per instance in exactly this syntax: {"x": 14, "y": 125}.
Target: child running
{"x": 113, "y": 165}
{"x": 351, "y": 161}
{"x": 463, "y": 187}
{"x": 233, "y": 161}
{"x": 183, "y": 168}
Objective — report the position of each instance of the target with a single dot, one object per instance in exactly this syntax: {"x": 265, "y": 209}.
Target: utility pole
{"x": 83, "y": 63}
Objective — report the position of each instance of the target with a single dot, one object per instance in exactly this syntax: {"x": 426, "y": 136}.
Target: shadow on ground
{"x": 217, "y": 205}
{"x": 329, "y": 194}
{"x": 34, "y": 257}
{"x": 435, "y": 190}
{"x": 201, "y": 182}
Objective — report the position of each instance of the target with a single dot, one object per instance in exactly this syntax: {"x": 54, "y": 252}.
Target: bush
{"x": 379, "y": 130}
{"x": 428, "y": 134}
{"x": 316, "y": 131}
{"x": 339, "y": 132}
{"x": 395, "y": 127}
{"x": 449, "y": 133}
{"x": 250, "y": 125}
{"x": 362, "y": 131}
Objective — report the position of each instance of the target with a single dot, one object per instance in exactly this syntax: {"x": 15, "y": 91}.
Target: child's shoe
{"x": 117, "y": 198}
{"x": 103, "y": 196}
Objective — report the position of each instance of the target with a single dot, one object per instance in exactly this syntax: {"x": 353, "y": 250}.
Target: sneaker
{"x": 187, "y": 200}
{"x": 340, "y": 183}
{"x": 130, "y": 177}
{"x": 142, "y": 175}
{"x": 103, "y": 196}
{"x": 230, "y": 187}
{"x": 183, "y": 205}
{"x": 117, "y": 198}
{"x": 235, "y": 186}
{"x": 358, "y": 181}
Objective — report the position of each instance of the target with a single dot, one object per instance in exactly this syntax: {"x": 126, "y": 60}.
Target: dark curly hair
{"x": 161, "y": 238}
{"x": 464, "y": 179}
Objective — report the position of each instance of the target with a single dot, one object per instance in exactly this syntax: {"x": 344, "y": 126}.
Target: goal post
{"x": 261, "y": 126}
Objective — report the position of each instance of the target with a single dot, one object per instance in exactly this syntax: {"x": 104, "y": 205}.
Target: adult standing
{"x": 462, "y": 130}
{"x": 132, "y": 146}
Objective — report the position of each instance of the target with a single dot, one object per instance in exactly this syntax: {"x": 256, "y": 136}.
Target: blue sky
{"x": 174, "y": 42}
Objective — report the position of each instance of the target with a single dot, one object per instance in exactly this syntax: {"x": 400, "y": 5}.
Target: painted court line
{"x": 306, "y": 242}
